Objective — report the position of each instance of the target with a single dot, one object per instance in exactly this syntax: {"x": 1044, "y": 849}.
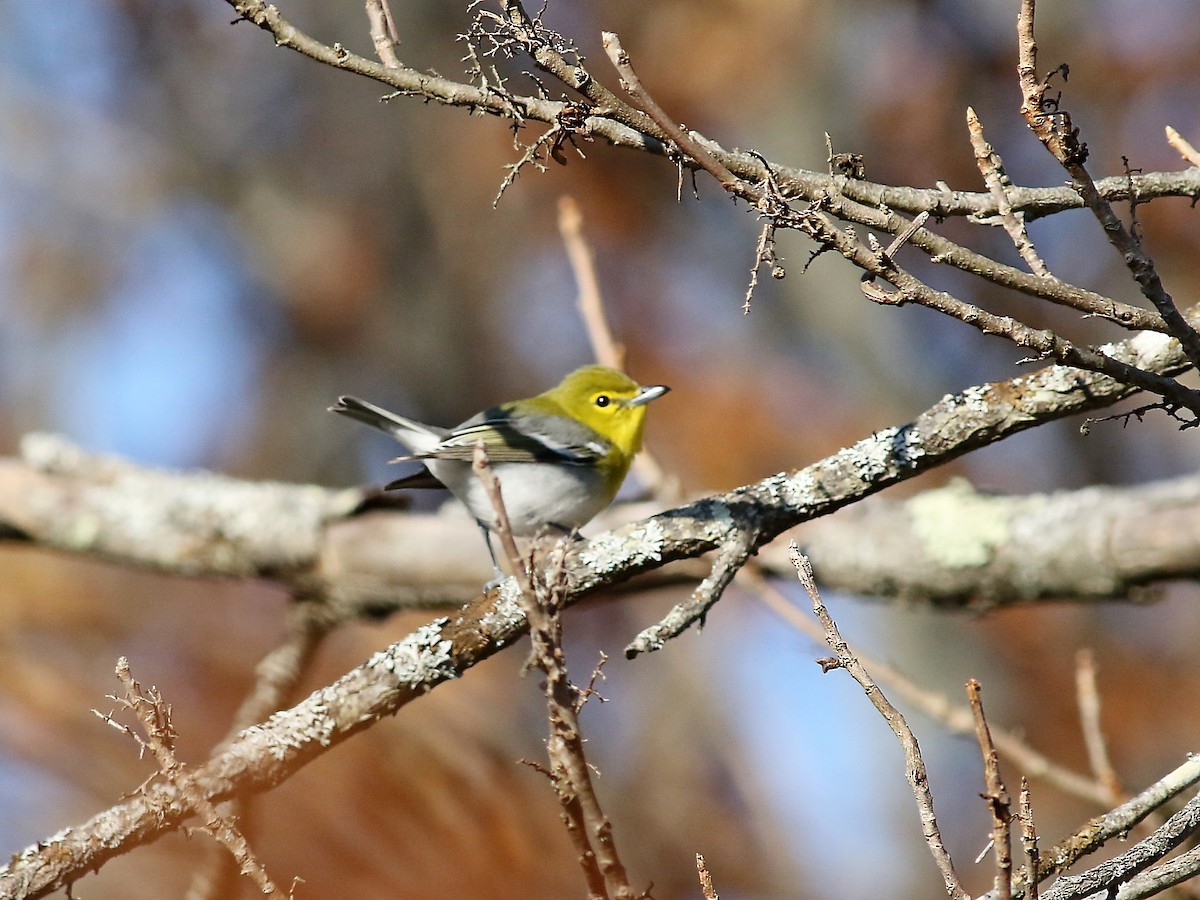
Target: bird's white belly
{"x": 534, "y": 495}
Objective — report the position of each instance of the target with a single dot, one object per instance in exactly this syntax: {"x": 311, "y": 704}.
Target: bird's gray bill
{"x": 646, "y": 394}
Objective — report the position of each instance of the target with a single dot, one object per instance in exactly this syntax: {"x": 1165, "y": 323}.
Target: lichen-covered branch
{"x": 957, "y": 547}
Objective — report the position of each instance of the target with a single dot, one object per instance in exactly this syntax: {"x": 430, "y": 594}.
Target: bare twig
{"x": 732, "y": 554}
{"x": 991, "y": 167}
{"x": 954, "y": 717}
{"x": 155, "y": 716}
{"x": 1029, "y": 839}
{"x": 1183, "y": 146}
{"x": 278, "y": 673}
{"x": 706, "y": 883}
{"x": 844, "y": 201}
{"x": 1053, "y": 127}
{"x": 764, "y": 255}
{"x": 813, "y": 223}
{"x": 383, "y": 33}
{"x": 692, "y": 148}
{"x": 1157, "y": 879}
{"x": 591, "y": 302}
{"x": 587, "y": 825}
{"x": 607, "y": 350}
{"x": 64, "y": 482}
{"x": 996, "y": 796}
{"x": 1108, "y": 875}
{"x": 914, "y": 765}
{"x": 623, "y": 126}
{"x": 1116, "y": 823}
{"x": 1089, "y": 717}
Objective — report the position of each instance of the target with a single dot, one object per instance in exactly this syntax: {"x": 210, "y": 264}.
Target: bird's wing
{"x": 529, "y": 438}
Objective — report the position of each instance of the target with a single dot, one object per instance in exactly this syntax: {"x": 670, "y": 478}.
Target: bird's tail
{"x": 414, "y": 435}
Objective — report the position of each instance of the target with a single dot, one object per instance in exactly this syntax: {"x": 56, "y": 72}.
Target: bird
{"x": 560, "y": 456}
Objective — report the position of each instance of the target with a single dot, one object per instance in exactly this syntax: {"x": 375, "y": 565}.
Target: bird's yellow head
{"x": 609, "y": 402}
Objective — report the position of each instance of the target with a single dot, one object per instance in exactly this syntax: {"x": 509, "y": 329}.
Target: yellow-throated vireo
{"x": 560, "y": 457}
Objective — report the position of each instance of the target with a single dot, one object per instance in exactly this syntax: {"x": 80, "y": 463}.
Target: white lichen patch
{"x": 976, "y": 399}
{"x": 505, "y": 612}
{"x": 883, "y": 452}
{"x": 1146, "y": 346}
{"x": 52, "y": 453}
{"x": 1056, "y": 380}
{"x": 421, "y": 659}
{"x": 616, "y": 549}
{"x": 959, "y": 528}
{"x": 908, "y": 445}
{"x": 291, "y": 729}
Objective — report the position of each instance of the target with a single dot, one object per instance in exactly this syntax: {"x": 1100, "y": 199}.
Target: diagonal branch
{"x": 914, "y": 765}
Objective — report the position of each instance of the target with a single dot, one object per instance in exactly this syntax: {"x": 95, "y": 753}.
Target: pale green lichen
{"x": 958, "y": 527}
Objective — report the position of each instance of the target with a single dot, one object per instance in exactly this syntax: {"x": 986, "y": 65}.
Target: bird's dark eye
{"x": 603, "y": 400}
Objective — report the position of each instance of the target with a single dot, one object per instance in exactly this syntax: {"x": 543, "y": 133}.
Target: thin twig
{"x": 1116, "y": 823}
{"x": 383, "y": 33}
{"x": 444, "y": 648}
{"x": 996, "y": 796}
{"x": 1106, "y": 876}
{"x": 1029, "y": 840}
{"x": 155, "y": 716}
{"x": 1053, "y": 127}
{"x": 706, "y": 883}
{"x": 587, "y": 825}
{"x": 812, "y": 222}
{"x": 278, "y": 673}
{"x": 839, "y": 202}
{"x": 607, "y": 350}
{"x": 1183, "y": 146}
{"x": 591, "y": 301}
{"x": 991, "y": 167}
{"x": 955, "y": 717}
{"x": 694, "y": 149}
{"x": 729, "y": 559}
{"x": 1157, "y": 879}
{"x": 914, "y": 765}
{"x": 1088, "y": 697}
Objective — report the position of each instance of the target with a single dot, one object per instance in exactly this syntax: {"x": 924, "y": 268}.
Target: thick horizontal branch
{"x": 955, "y": 547}
{"x": 317, "y": 542}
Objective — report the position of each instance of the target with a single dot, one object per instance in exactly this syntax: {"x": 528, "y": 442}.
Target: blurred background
{"x": 205, "y": 239}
